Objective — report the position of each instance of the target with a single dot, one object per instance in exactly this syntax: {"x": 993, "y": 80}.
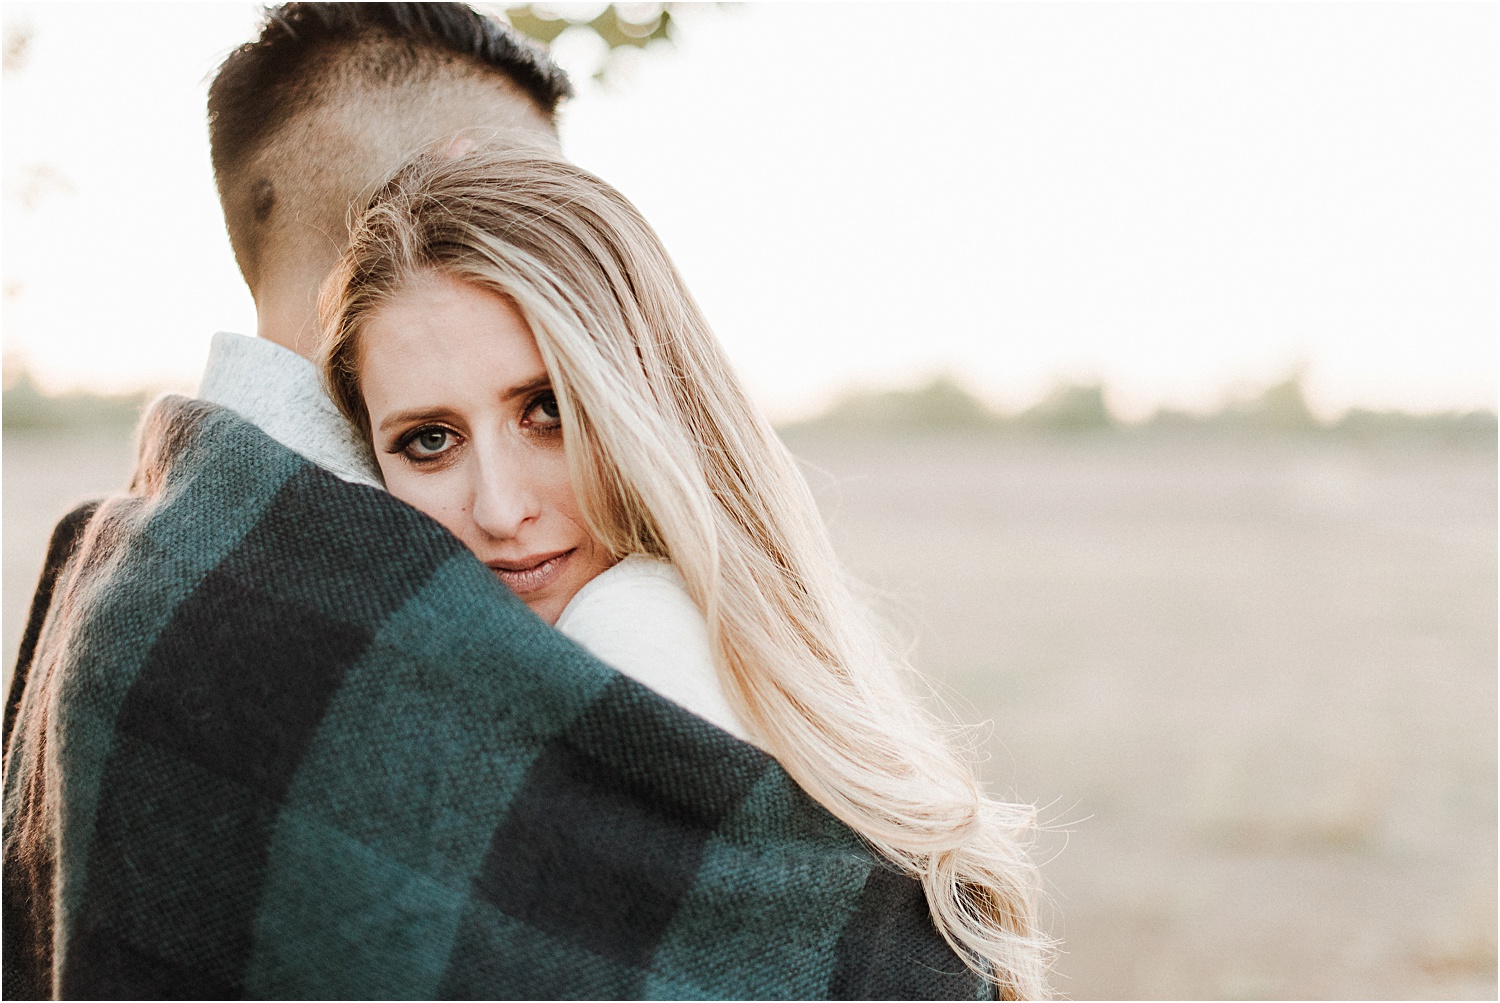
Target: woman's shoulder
{"x": 638, "y": 617}
{"x": 632, "y": 584}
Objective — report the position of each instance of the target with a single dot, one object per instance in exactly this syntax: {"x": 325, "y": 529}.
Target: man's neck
{"x": 289, "y": 318}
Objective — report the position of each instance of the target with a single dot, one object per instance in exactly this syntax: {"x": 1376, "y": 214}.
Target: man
{"x": 303, "y": 123}
{"x": 275, "y": 734}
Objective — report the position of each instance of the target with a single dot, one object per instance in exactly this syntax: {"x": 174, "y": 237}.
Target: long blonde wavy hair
{"x": 669, "y": 457}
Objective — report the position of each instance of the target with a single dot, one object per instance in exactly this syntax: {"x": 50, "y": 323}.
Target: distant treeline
{"x": 26, "y": 407}
{"x": 942, "y": 405}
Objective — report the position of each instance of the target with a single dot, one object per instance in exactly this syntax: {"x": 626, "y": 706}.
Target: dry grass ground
{"x": 1253, "y": 684}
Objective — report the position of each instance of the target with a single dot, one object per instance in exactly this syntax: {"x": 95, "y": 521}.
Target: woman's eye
{"x": 427, "y": 443}
{"x": 544, "y": 412}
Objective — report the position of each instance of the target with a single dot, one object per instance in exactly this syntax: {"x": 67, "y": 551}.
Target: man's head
{"x": 332, "y": 97}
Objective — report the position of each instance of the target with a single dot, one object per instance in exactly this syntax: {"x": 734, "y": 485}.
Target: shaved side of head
{"x": 305, "y": 121}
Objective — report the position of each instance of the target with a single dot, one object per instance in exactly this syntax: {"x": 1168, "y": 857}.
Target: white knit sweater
{"x": 639, "y": 618}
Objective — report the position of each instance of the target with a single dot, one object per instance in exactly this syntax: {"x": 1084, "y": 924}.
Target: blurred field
{"x": 1253, "y": 680}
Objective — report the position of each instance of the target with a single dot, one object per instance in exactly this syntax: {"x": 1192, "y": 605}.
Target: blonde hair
{"x": 669, "y": 457}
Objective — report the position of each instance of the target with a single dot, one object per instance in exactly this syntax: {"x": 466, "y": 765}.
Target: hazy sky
{"x": 1174, "y": 198}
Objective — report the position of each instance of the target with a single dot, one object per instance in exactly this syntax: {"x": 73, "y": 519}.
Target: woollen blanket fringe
{"x": 274, "y": 735}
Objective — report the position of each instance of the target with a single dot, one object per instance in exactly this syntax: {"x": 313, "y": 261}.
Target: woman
{"x": 510, "y": 336}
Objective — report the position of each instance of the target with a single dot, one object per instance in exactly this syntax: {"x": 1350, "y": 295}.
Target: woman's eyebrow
{"x": 407, "y": 416}
{"x": 531, "y": 386}
{"x": 413, "y": 414}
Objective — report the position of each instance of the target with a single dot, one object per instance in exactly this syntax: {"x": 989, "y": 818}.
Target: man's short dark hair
{"x": 268, "y": 106}
{"x": 265, "y": 82}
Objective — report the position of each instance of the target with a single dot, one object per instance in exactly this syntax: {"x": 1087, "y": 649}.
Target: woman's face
{"x": 466, "y": 428}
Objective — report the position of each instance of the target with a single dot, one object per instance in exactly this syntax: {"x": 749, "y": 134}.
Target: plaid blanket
{"x": 276, "y": 735}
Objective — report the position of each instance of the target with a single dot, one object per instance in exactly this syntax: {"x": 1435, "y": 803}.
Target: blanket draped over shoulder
{"x": 277, "y": 735}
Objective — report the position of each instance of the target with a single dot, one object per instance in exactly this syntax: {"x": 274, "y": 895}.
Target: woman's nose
{"x": 503, "y": 499}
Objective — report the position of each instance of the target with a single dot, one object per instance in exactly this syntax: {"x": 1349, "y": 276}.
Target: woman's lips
{"x": 530, "y": 574}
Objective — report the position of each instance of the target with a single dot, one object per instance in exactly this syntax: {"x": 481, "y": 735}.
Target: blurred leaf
{"x": 534, "y": 26}
{"x": 618, "y": 25}
{"x": 18, "y": 38}
{"x": 38, "y": 182}
{"x": 617, "y": 30}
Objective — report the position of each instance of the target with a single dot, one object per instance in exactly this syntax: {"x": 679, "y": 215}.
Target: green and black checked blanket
{"x": 276, "y": 735}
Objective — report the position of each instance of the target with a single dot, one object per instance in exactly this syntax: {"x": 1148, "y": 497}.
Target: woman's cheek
{"x": 396, "y": 477}
{"x": 421, "y": 491}
{"x": 558, "y": 485}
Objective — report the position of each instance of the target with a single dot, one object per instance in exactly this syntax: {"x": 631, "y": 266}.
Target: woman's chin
{"x": 550, "y": 608}
{"x": 549, "y": 603}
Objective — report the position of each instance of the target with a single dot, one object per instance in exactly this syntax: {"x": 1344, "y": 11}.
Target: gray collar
{"x": 282, "y": 394}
